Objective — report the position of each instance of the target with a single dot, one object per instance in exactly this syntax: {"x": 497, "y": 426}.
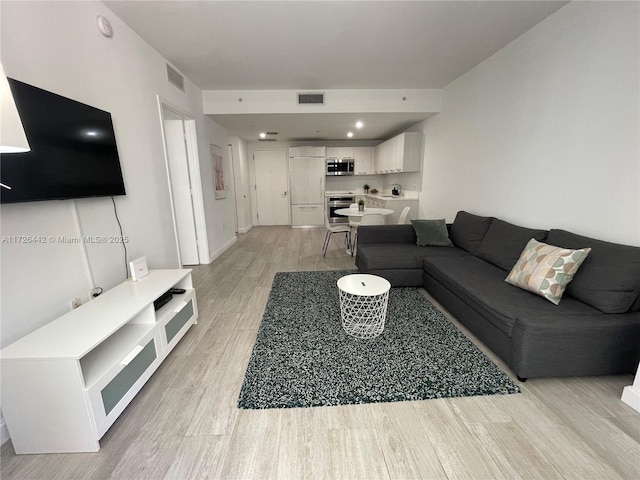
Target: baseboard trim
{"x": 245, "y": 229}
{"x": 631, "y": 397}
{"x": 222, "y": 249}
{"x": 4, "y": 432}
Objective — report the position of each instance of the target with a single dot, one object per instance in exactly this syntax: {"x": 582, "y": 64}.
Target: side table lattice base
{"x": 363, "y": 316}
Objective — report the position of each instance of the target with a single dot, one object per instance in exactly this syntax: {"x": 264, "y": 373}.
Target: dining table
{"x": 354, "y": 212}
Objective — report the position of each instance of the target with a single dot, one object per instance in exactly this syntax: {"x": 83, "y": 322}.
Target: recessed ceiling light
{"x": 359, "y": 124}
{"x": 263, "y": 135}
{"x": 350, "y": 134}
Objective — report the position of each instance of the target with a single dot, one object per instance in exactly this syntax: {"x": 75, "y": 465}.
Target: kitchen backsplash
{"x": 384, "y": 183}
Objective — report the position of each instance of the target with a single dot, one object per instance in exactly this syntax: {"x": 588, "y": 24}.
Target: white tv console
{"x": 65, "y": 384}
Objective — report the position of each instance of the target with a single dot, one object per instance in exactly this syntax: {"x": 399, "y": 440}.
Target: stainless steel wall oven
{"x": 336, "y": 202}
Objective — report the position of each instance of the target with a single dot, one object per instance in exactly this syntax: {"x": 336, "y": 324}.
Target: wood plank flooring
{"x": 184, "y": 424}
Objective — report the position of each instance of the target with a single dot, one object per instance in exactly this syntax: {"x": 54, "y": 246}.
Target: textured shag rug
{"x": 303, "y": 358}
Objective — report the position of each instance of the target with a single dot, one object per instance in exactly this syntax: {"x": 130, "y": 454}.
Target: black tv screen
{"x": 73, "y": 150}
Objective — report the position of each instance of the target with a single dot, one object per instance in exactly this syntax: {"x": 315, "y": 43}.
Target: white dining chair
{"x": 336, "y": 228}
{"x": 403, "y": 215}
{"x": 366, "y": 219}
{"x": 354, "y": 220}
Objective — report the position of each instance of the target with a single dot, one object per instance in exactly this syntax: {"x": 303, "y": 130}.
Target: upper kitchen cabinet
{"x": 363, "y": 160}
{"x": 402, "y": 153}
{"x": 340, "y": 152}
{"x": 307, "y": 151}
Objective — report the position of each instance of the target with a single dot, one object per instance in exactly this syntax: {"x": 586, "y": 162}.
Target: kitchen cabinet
{"x": 402, "y": 153}
{"x": 307, "y": 151}
{"x": 306, "y": 184}
{"x": 340, "y": 152}
{"x": 310, "y": 215}
{"x": 306, "y": 180}
{"x": 385, "y": 157}
{"x": 363, "y": 160}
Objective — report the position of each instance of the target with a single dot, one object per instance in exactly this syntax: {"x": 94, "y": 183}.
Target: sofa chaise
{"x": 594, "y": 330}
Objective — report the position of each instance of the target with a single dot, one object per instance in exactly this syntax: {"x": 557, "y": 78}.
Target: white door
{"x": 272, "y": 187}
{"x": 181, "y": 190}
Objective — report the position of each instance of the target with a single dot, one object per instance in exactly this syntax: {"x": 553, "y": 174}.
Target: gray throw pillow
{"x": 431, "y": 232}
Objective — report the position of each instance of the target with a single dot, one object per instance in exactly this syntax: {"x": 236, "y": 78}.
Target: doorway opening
{"x": 185, "y": 186}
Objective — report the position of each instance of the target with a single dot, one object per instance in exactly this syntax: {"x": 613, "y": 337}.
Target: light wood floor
{"x": 184, "y": 423}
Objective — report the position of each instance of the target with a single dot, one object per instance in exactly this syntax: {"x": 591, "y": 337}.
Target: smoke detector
{"x": 104, "y": 26}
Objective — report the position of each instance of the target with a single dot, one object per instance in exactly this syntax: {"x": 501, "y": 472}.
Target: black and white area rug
{"x": 303, "y": 358}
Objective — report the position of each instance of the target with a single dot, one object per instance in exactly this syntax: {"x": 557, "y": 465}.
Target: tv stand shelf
{"x": 65, "y": 384}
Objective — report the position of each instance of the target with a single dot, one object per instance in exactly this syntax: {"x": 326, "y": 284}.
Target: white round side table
{"x": 363, "y": 304}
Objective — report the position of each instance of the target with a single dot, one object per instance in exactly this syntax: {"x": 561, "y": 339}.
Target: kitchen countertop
{"x": 408, "y": 195}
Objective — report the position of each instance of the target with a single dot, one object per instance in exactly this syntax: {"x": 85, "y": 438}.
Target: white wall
{"x": 546, "y": 132}
{"x": 242, "y": 183}
{"x": 219, "y": 213}
{"x": 57, "y": 46}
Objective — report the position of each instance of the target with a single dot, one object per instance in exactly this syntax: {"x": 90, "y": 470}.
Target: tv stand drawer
{"x": 128, "y": 376}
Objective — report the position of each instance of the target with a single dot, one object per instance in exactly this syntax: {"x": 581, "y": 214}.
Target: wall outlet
{"x": 75, "y": 303}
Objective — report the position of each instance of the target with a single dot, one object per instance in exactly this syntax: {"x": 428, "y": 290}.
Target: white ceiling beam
{"x": 220, "y": 102}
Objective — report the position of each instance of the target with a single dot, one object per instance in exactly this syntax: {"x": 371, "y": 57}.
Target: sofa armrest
{"x": 376, "y": 234}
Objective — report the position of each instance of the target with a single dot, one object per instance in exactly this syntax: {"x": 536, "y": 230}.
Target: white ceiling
{"x": 310, "y": 45}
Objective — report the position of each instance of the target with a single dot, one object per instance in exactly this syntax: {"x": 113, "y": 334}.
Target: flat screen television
{"x": 73, "y": 150}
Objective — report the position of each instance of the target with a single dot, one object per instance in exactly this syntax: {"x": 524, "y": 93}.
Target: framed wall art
{"x": 218, "y": 172}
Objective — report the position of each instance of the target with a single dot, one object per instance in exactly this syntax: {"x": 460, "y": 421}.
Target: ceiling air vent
{"x": 175, "y": 78}
{"x": 266, "y": 139}
{"x": 311, "y": 99}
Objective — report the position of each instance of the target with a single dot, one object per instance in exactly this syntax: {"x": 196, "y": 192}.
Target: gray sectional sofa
{"x": 595, "y": 330}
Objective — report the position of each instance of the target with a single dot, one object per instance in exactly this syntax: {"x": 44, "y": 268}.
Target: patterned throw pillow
{"x": 545, "y": 269}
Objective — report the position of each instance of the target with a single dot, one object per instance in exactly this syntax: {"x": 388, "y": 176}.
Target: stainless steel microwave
{"x": 339, "y": 166}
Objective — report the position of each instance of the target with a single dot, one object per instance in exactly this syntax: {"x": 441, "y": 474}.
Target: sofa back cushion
{"x": 609, "y": 279}
{"x": 468, "y": 230}
{"x": 504, "y": 242}
{"x": 386, "y": 234}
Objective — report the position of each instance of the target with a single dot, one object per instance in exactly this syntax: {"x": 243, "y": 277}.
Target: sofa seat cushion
{"x": 609, "y": 278}
{"x": 482, "y": 286}
{"x": 503, "y": 243}
{"x": 400, "y": 255}
{"x": 578, "y": 345}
